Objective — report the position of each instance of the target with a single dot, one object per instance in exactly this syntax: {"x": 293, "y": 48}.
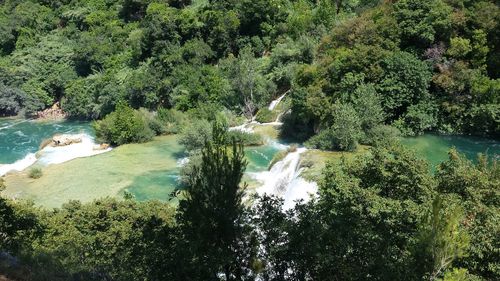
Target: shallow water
{"x": 435, "y": 148}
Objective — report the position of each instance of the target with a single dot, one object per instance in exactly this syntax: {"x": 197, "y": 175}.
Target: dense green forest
{"x": 353, "y": 72}
{"x": 413, "y": 65}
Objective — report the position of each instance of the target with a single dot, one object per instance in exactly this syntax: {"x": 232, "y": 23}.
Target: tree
{"x": 405, "y": 82}
{"x": 442, "y": 240}
{"x": 211, "y": 216}
{"x": 344, "y": 134}
{"x": 251, "y": 88}
{"x": 422, "y": 21}
{"x": 124, "y": 125}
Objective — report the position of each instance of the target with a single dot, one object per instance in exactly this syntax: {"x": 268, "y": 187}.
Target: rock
{"x": 53, "y": 113}
{"x": 102, "y": 146}
{"x": 63, "y": 140}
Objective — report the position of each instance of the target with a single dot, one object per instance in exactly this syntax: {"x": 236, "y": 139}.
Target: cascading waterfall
{"x": 275, "y": 102}
{"x": 283, "y": 180}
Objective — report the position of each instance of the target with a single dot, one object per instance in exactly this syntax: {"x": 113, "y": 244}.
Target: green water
{"x": 20, "y": 137}
{"x": 151, "y": 170}
{"x": 434, "y": 148}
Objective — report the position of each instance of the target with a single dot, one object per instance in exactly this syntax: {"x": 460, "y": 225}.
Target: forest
{"x": 353, "y": 72}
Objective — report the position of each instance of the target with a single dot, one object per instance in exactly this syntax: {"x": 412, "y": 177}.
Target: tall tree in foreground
{"x": 211, "y": 217}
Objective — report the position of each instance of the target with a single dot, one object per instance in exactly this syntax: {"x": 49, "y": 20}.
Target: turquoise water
{"x": 435, "y": 148}
{"x": 259, "y": 157}
{"x": 151, "y": 170}
{"x": 20, "y": 137}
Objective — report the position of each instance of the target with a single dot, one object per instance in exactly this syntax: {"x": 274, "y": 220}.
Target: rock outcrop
{"x": 63, "y": 140}
{"x": 53, "y": 113}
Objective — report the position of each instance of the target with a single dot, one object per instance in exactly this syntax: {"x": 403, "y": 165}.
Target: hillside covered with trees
{"x": 352, "y": 72}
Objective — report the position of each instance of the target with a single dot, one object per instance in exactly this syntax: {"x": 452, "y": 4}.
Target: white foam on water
{"x": 60, "y": 154}
{"x": 243, "y": 128}
{"x": 283, "y": 180}
{"x": 182, "y": 162}
{"x": 19, "y": 165}
{"x": 13, "y": 124}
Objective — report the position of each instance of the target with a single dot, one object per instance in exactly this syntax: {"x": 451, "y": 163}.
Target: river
{"x": 151, "y": 170}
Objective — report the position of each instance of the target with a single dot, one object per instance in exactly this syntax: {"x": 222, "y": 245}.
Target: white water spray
{"x": 60, "y": 154}
{"x": 19, "y": 165}
{"x": 275, "y": 102}
{"x": 283, "y": 180}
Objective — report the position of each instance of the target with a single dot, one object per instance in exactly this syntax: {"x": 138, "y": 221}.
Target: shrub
{"x": 247, "y": 139}
{"x": 173, "y": 120}
{"x": 153, "y": 122}
{"x": 124, "y": 125}
{"x": 2, "y": 184}
{"x": 265, "y": 116}
{"x": 382, "y": 135}
{"x": 13, "y": 101}
{"x": 194, "y": 136}
{"x": 344, "y": 133}
{"x": 35, "y": 173}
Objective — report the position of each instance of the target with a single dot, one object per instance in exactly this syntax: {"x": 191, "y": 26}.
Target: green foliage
{"x": 194, "y": 136}
{"x": 442, "y": 239}
{"x": 459, "y": 47}
{"x": 35, "y": 173}
{"x": 265, "y": 115}
{"x": 344, "y": 134}
{"x": 124, "y": 125}
{"x": 245, "y": 138}
{"x": 211, "y": 215}
{"x": 13, "y": 101}
{"x": 405, "y": 82}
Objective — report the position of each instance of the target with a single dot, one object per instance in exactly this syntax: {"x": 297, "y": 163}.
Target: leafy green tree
{"x": 476, "y": 187}
{"x": 405, "y": 82}
{"x": 251, "y": 88}
{"x": 344, "y": 133}
{"x": 194, "y": 136}
{"x": 422, "y": 22}
{"x": 124, "y": 125}
{"x": 442, "y": 240}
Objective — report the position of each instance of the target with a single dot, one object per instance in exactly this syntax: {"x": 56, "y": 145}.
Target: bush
{"x": 247, "y": 139}
{"x": 124, "y": 125}
{"x": 344, "y": 134}
{"x": 173, "y": 120}
{"x": 2, "y": 184}
{"x": 265, "y": 116}
{"x": 35, "y": 173}
{"x": 382, "y": 135}
{"x": 194, "y": 136}
{"x": 13, "y": 101}
{"x": 153, "y": 122}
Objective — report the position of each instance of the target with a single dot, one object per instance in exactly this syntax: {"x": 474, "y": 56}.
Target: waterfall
{"x": 275, "y": 102}
{"x": 283, "y": 180}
